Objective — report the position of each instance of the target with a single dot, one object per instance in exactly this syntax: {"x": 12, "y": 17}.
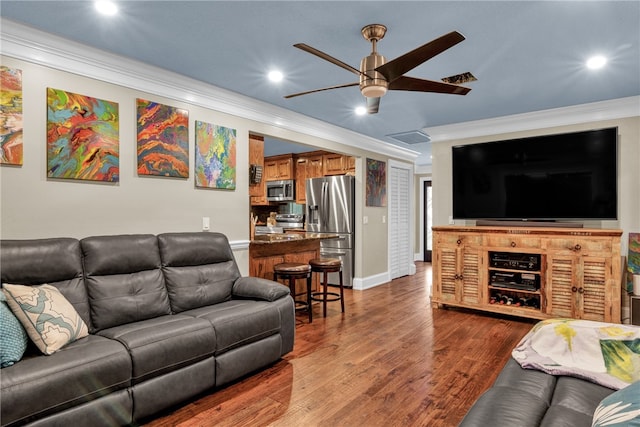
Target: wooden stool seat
{"x": 326, "y": 266}
{"x": 293, "y": 271}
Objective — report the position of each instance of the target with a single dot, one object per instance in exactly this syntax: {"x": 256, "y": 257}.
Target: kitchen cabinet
{"x": 277, "y": 168}
{"x": 552, "y": 272}
{"x": 307, "y": 166}
{"x": 338, "y": 164}
{"x": 257, "y": 191}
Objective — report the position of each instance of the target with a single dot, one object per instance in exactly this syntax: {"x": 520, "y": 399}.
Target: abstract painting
{"x": 82, "y": 137}
{"x": 10, "y": 116}
{"x": 163, "y": 140}
{"x": 215, "y": 156}
{"x": 376, "y": 183}
{"x": 633, "y": 262}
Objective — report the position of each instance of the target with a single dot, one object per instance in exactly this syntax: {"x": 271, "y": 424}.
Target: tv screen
{"x": 569, "y": 176}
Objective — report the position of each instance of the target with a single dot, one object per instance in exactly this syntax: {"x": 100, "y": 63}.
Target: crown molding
{"x": 35, "y": 46}
{"x": 576, "y": 114}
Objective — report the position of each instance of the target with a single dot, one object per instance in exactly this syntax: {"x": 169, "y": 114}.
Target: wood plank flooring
{"x": 390, "y": 360}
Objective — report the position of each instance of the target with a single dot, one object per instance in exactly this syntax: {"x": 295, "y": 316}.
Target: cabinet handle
{"x": 580, "y": 290}
{"x": 577, "y": 247}
{"x": 459, "y": 241}
{"x": 513, "y": 244}
{"x": 574, "y": 289}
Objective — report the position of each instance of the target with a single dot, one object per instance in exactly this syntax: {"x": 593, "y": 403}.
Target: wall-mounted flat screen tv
{"x": 570, "y": 176}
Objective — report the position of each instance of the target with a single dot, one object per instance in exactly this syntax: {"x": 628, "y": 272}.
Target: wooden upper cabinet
{"x": 277, "y": 168}
{"x": 307, "y": 166}
{"x": 338, "y": 164}
{"x": 257, "y": 192}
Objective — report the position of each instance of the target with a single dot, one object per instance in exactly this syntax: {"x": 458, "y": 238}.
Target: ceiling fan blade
{"x": 421, "y": 85}
{"x": 372, "y": 105}
{"x": 410, "y": 60}
{"x": 320, "y": 90}
{"x": 326, "y": 57}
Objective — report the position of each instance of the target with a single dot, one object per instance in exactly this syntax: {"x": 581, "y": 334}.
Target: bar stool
{"x": 294, "y": 271}
{"x": 326, "y": 266}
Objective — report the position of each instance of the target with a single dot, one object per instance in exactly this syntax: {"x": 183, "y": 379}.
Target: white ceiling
{"x": 527, "y": 55}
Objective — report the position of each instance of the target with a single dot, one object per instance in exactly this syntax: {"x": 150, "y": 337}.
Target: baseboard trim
{"x": 361, "y": 284}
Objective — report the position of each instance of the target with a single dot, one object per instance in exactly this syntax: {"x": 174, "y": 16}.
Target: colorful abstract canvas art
{"x": 163, "y": 140}
{"x": 215, "y": 156}
{"x": 82, "y": 137}
{"x": 10, "y": 116}
{"x": 376, "y": 183}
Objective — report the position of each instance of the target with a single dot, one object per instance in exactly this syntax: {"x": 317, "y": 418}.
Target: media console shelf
{"x": 536, "y": 272}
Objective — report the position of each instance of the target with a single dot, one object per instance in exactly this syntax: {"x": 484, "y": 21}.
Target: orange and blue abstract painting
{"x": 10, "y": 116}
{"x": 376, "y": 183}
{"x": 215, "y": 156}
{"x": 82, "y": 137}
{"x": 163, "y": 140}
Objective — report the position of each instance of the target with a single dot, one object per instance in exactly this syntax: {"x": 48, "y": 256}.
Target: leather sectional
{"x": 169, "y": 317}
{"x": 526, "y": 397}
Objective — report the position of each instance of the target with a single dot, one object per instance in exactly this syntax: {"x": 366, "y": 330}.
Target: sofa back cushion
{"x": 55, "y": 261}
{"x": 124, "y": 279}
{"x": 199, "y": 269}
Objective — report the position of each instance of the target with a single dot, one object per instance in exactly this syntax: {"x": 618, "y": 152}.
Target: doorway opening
{"x": 428, "y": 220}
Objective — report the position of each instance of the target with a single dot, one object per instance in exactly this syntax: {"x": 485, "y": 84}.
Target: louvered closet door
{"x": 399, "y": 226}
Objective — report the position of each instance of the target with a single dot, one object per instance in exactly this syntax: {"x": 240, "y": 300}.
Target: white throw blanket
{"x": 604, "y": 353}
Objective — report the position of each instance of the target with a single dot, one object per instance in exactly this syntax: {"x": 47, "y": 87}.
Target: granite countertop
{"x": 288, "y": 237}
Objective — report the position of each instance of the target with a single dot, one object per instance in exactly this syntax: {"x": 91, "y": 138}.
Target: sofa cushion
{"x": 82, "y": 371}
{"x": 239, "y": 322}
{"x": 621, "y": 408}
{"x": 12, "y": 335}
{"x": 49, "y": 319}
{"x": 199, "y": 269}
{"x": 56, "y": 261}
{"x": 164, "y": 344}
{"x": 124, "y": 279}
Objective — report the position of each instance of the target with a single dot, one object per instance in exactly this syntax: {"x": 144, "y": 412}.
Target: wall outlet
{"x": 365, "y": 220}
{"x": 384, "y": 219}
{"x": 206, "y": 223}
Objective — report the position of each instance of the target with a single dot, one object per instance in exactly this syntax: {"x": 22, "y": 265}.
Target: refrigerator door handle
{"x": 325, "y": 204}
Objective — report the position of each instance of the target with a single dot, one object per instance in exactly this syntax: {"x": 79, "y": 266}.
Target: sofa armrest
{"x": 258, "y": 288}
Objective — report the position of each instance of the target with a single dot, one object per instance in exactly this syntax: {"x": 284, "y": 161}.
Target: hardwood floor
{"x": 390, "y": 360}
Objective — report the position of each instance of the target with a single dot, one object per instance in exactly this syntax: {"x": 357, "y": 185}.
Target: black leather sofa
{"x": 169, "y": 317}
{"x": 525, "y": 397}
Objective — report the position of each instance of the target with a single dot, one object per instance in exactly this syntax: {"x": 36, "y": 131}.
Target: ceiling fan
{"x": 377, "y": 76}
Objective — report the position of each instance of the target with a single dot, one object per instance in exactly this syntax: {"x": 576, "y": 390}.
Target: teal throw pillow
{"x": 620, "y": 409}
{"x": 12, "y": 335}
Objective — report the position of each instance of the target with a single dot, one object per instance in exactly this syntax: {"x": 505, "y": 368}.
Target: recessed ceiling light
{"x": 361, "y": 111}
{"x": 596, "y": 62}
{"x": 106, "y": 7}
{"x": 275, "y": 76}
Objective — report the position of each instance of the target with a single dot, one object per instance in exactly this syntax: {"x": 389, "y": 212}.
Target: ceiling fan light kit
{"x": 377, "y": 76}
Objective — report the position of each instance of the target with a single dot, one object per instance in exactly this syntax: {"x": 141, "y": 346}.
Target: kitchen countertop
{"x": 288, "y": 237}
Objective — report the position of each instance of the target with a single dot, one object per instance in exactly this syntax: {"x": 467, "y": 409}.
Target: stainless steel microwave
{"x": 280, "y": 191}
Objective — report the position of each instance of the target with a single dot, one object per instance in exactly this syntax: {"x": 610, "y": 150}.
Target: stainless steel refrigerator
{"x": 331, "y": 209}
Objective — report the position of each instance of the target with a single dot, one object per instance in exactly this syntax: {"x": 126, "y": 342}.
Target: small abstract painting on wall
{"x": 215, "y": 156}
{"x": 376, "y": 183}
{"x": 163, "y": 140}
{"x": 633, "y": 262}
{"x": 10, "y": 116}
{"x": 82, "y": 137}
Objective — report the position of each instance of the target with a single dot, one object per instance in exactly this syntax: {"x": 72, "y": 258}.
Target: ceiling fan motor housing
{"x": 372, "y": 83}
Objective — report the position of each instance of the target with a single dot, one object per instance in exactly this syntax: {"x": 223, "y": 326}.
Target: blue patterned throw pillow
{"x": 48, "y": 317}
{"x": 620, "y": 409}
{"x": 12, "y": 335}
